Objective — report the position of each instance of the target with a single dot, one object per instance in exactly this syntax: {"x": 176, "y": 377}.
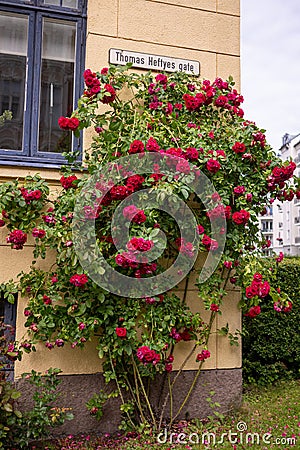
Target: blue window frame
{"x": 42, "y": 49}
{"x": 8, "y": 315}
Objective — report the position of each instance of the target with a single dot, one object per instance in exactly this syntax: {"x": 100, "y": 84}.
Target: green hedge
{"x": 271, "y": 341}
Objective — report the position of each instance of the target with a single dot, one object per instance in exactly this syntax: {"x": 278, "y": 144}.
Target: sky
{"x": 270, "y": 66}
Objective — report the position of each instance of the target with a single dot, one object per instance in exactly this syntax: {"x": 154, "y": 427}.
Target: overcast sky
{"x": 270, "y": 64}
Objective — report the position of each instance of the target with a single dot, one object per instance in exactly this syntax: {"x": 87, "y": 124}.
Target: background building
{"x": 286, "y": 215}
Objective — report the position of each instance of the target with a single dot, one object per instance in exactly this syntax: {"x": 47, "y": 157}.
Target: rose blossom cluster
{"x": 68, "y": 182}
{"x": 120, "y": 192}
{"x": 17, "y": 239}
{"x": 185, "y": 247}
{"x": 132, "y": 213}
{"x": 79, "y": 280}
{"x": 209, "y": 243}
{"x": 68, "y": 123}
{"x": 168, "y": 363}
{"x": 253, "y": 311}
{"x": 92, "y": 83}
{"x": 280, "y": 307}
{"x": 280, "y": 175}
{"x": 258, "y": 287}
{"x": 184, "y": 335}
{"x": 210, "y": 93}
{"x": 29, "y": 196}
{"x": 132, "y": 259}
{"x": 241, "y": 217}
{"x": 38, "y": 233}
{"x": 147, "y": 356}
{"x": 154, "y": 102}
{"x": 205, "y": 354}
{"x": 140, "y": 244}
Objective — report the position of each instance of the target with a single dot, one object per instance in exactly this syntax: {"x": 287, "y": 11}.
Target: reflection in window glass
{"x": 70, "y": 3}
{"x": 52, "y": 2}
{"x": 57, "y": 84}
{"x": 64, "y": 3}
{"x": 13, "y": 51}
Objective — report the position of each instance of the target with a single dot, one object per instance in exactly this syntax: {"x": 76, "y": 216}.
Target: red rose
{"x": 209, "y": 244}
{"x": 239, "y": 190}
{"x": 47, "y": 300}
{"x": 253, "y": 311}
{"x": 121, "y": 332}
{"x": 239, "y": 147}
{"x": 109, "y": 98}
{"x": 68, "y": 123}
{"x": 146, "y": 355}
{"x": 134, "y": 182}
{"x": 36, "y": 233}
{"x": 241, "y": 217}
{"x": 253, "y": 289}
{"x": 183, "y": 166}
{"x": 118, "y": 192}
{"x": 264, "y": 289}
{"x": 152, "y": 145}
{"x": 280, "y": 257}
{"x": 136, "y": 147}
{"x": 79, "y": 280}
{"x": 257, "y": 276}
{"x": 200, "y": 229}
{"x": 17, "y": 238}
{"x": 192, "y": 153}
{"x": 168, "y": 367}
{"x": 2, "y": 223}
{"x": 228, "y": 264}
{"x": 68, "y": 182}
{"x": 214, "y": 307}
{"x": 205, "y": 354}
{"x": 161, "y": 78}
{"x": 213, "y": 165}
{"x": 192, "y": 103}
{"x": 221, "y": 101}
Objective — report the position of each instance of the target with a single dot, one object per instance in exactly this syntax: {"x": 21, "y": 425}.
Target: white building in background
{"x": 266, "y": 228}
{"x": 285, "y": 216}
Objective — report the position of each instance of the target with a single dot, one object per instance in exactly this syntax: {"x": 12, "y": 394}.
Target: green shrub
{"x": 271, "y": 343}
{"x": 18, "y": 429}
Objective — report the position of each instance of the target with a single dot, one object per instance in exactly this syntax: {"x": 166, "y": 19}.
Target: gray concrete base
{"x": 76, "y": 390}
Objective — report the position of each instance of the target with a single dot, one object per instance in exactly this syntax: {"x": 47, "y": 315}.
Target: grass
{"x": 270, "y": 414}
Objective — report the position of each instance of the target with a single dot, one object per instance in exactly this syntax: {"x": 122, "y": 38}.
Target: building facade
{"x": 44, "y": 47}
{"x": 285, "y": 220}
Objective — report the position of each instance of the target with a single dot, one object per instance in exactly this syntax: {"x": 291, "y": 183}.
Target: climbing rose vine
{"x": 192, "y": 130}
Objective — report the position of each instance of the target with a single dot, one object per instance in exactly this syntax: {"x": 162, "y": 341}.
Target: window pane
{"x": 64, "y": 3}
{"x": 13, "y": 50}
{"x": 70, "y": 3}
{"x": 57, "y": 84}
{"x": 52, "y": 2}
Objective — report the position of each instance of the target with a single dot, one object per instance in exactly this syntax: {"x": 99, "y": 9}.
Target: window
{"x": 41, "y": 65}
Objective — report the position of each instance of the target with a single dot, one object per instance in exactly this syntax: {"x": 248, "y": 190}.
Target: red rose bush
{"x": 182, "y": 133}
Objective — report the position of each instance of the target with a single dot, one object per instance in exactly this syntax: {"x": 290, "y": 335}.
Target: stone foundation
{"x": 76, "y": 390}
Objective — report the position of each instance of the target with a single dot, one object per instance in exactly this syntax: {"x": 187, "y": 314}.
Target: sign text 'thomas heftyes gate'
{"x": 154, "y": 62}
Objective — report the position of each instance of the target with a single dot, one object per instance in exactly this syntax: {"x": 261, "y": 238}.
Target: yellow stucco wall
{"x": 202, "y": 30}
